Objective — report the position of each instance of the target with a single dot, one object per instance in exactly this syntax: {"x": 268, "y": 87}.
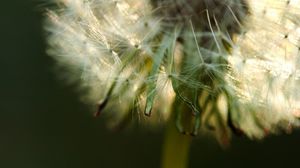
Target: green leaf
{"x": 166, "y": 44}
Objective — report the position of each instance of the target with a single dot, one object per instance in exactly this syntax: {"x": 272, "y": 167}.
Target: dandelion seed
{"x": 233, "y": 63}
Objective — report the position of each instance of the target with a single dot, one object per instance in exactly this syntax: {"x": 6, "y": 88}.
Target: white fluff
{"x": 97, "y": 38}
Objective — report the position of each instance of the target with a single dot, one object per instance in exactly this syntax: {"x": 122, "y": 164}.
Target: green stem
{"x": 176, "y": 147}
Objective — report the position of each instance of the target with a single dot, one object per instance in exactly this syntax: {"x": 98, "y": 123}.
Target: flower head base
{"x": 220, "y": 65}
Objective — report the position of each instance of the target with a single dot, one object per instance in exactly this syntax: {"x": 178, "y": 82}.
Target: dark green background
{"x": 44, "y": 125}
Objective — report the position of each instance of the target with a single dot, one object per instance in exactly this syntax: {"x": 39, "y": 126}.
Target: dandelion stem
{"x": 176, "y": 146}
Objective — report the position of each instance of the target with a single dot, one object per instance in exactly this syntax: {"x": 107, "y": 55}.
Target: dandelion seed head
{"x": 234, "y": 64}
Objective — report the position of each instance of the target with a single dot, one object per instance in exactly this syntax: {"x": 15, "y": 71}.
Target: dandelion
{"x": 203, "y": 66}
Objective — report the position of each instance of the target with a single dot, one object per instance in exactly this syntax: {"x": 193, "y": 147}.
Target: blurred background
{"x": 44, "y": 125}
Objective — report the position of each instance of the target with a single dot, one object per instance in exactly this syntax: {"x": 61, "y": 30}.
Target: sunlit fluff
{"x": 237, "y": 74}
